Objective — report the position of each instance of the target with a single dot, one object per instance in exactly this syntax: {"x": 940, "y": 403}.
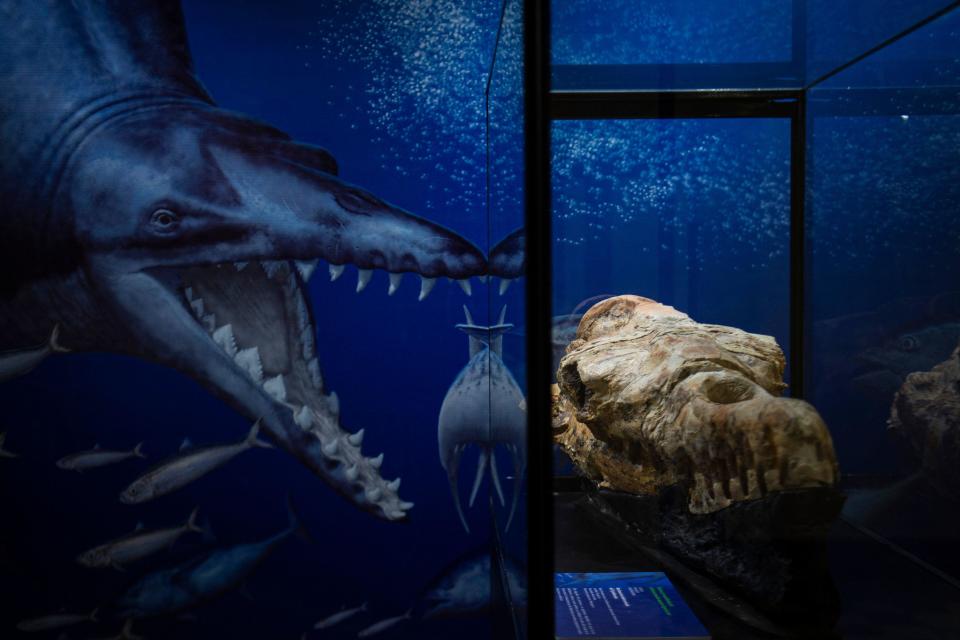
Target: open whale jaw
{"x": 258, "y": 313}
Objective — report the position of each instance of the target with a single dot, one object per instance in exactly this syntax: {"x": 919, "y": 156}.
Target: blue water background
{"x": 396, "y": 91}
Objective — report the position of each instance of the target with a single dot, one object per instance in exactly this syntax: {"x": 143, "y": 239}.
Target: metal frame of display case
{"x": 536, "y": 31}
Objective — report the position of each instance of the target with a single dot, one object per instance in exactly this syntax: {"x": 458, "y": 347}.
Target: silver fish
{"x": 3, "y": 452}
{"x": 339, "y": 617}
{"x": 186, "y": 467}
{"x": 17, "y": 363}
{"x": 97, "y": 457}
{"x": 383, "y": 625}
{"x": 56, "y": 621}
{"x": 137, "y": 545}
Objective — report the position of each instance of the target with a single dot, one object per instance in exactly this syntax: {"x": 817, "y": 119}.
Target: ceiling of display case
{"x": 664, "y": 45}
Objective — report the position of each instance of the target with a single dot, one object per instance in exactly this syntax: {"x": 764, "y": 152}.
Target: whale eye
{"x": 164, "y": 221}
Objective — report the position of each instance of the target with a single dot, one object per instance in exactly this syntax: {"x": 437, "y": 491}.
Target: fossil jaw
{"x": 648, "y": 398}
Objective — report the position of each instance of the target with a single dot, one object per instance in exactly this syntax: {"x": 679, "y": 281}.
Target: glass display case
{"x": 799, "y": 183}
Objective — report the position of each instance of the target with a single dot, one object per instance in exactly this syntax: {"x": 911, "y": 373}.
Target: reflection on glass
{"x": 670, "y": 31}
{"x": 884, "y": 185}
{"x": 691, "y": 213}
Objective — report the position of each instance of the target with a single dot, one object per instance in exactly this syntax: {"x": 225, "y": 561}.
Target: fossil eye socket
{"x": 908, "y": 343}
{"x": 164, "y": 221}
{"x": 727, "y": 390}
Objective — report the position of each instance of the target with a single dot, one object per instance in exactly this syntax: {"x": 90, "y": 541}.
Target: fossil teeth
{"x": 426, "y": 286}
{"x": 336, "y": 270}
{"x": 405, "y": 506}
{"x": 482, "y": 279}
{"x": 465, "y": 285}
{"x": 306, "y": 268}
{"x": 197, "y": 307}
{"x": 374, "y": 495}
{"x": 225, "y": 339}
{"x": 394, "y": 485}
{"x": 249, "y": 361}
{"x": 240, "y": 266}
{"x": 352, "y": 473}
{"x": 303, "y": 417}
{"x": 363, "y": 277}
{"x": 356, "y": 438}
{"x": 330, "y": 449}
{"x": 376, "y": 462}
{"x": 394, "y": 283}
{"x": 394, "y": 514}
{"x": 504, "y": 284}
{"x": 275, "y": 387}
{"x": 188, "y": 292}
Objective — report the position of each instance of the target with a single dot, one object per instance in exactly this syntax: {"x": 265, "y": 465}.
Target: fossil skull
{"x": 648, "y": 398}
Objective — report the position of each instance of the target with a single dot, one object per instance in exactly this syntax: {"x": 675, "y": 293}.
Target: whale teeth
{"x": 306, "y": 268}
{"x": 225, "y": 339}
{"x": 363, "y": 277}
{"x": 313, "y": 368}
{"x": 303, "y": 418}
{"x": 426, "y": 286}
{"x": 352, "y": 473}
{"x": 330, "y": 449}
{"x": 376, "y": 462}
{"x": 394, "y": 283}
{"x": 272, "y": 267}
{"x": 209, "y": 322}
{"x": 292, "y": 286}
{"x": 188, "y": 293}
{"x": 334, "y": 403}
{"x": 504, "y": 284}
{"x": 197, "y": 306}
{"x": 303, "y": 314}
{"x": 249, "y": 361}
{"x": 276, "y": 388}
{"x": 465, "y": 285}
{"x": 336, "y": 270}
{"x": 240, "y": 266}
{"x": 356, "y": 439}
{"x": 405, "y": 506}
{"x": 308, "y": 348}
{"x": 394, "y": 485}
{"x": 394, "y": 514}
{"x": 374, "y": 495}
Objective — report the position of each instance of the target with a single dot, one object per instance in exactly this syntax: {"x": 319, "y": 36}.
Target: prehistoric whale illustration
{"x": 483, "y": 407}
{"x": 508, "y": 258}
{"x": 140, "y": 218}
